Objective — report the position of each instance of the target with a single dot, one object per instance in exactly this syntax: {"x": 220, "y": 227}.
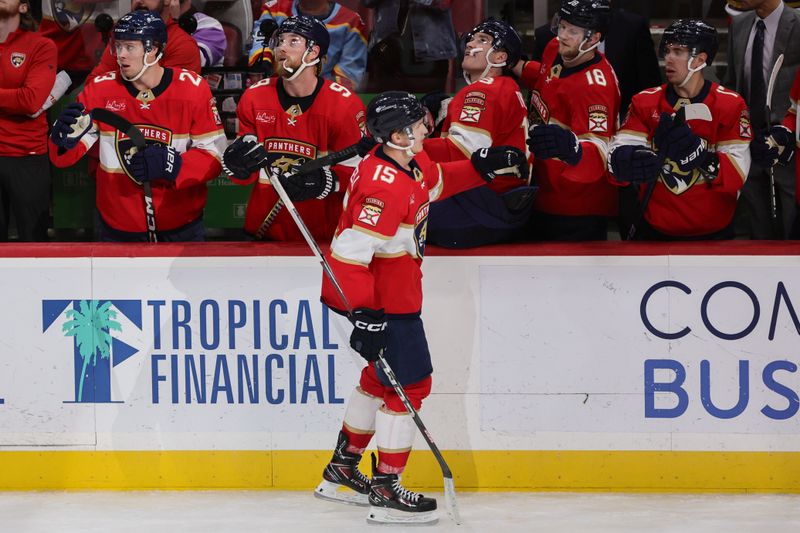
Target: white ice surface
{"x": 281, "y": 511}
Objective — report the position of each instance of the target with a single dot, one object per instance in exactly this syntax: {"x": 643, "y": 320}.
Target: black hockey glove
{"x": 550, "y": 141}
{"x": 772, "y": 147}
{"x": 679, "y": 144}
{"x": 436, "y": 103}
{"x": 635, "y": 164}
{"x": 315, "y": 184}
{"x": 156, "y": 162}
{"x": 244, "y": 156}
{"x": 500, "y": 161}
{"x": 70, "y": 126}
{"x": 370, "y": 335}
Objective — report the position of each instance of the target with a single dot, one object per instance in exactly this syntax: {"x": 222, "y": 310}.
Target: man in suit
{"x": 628, "y": 47}
{"x": 758, "y": 37}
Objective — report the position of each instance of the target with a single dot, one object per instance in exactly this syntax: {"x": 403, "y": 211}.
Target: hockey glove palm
{"x": 500, "y": 161}
{"x": 370, "y": 335}
{"x": 552, "y": 141}
{"x": 244, "y": 156}
{"x": 156, "y": 162}
{"x": 635, "y": 164}
{"x": 679, "y": 144}
{"x": 772, "y": 147}
{"x": 315, "y": 184}
{"x": 70, "y": 126}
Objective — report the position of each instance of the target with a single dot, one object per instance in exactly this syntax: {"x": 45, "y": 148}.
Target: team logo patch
{"x": 470, "y": 114}
{"x": 283, "y": 154}
{"x": 745, "y": 128}
{"x": 598, "y": 119}
{"x": 421, "y": 229}
{"x": 17, "y": 59}
{"x": 266, "y": 117}
{"x": 152, "y": 135}
{"x": 475, "y": 99}
{"x": 371, "y": 211}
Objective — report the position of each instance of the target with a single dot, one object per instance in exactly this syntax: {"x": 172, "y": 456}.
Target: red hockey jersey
{"x": 179, "y": 112}
{"x": 584, "y": 99}
{"x": 488, "y": 112}
{"x": 379, "y": 244}
{"x": 690, "y": 205}
{"x": 791, "y": 122}
{"x": 335, "y": 119}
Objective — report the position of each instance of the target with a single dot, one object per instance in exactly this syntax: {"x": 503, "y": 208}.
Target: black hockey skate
{"x": 342, "y": 481}
{"x": 390, "y": 503}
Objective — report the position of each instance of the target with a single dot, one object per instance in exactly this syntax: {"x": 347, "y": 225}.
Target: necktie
{"x": 758, "y": 90}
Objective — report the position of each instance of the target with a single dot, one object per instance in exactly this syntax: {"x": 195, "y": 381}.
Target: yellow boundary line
{"x": 625, "y": 471}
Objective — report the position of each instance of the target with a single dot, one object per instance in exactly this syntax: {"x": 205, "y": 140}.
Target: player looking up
{"x": 376, "y": 255}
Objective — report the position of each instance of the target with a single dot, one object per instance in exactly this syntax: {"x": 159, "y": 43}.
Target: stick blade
{"x": 450, "y": 503}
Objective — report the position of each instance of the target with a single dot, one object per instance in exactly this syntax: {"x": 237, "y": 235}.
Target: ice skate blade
{"x": 340, "y": 494}
{"x": 387, "y": 516}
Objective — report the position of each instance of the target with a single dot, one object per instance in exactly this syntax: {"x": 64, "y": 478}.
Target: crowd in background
{"x": 410, "y": 45}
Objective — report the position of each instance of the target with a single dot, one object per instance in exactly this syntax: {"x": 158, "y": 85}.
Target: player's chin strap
{"x": 408, "y": 149}
{"x": 581, "y": 50}
{"x": 489, "y": 64}
{"x": 145, "y": 66}
{"x": 303, "y": 65}
{"x": 692, "y": 71}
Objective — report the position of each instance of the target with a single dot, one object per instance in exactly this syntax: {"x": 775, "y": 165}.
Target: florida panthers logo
{"x": 70, "y": 14}
{"x": 125, "y": 148}
{"x": 421, "y": 229}
{"x": 283, "y": 154}
{"x": 17, "y": 59}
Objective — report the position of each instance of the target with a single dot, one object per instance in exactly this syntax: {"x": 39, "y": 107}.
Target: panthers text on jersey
{"x": 296, "y": 130}
{"x": 179, "y": 112}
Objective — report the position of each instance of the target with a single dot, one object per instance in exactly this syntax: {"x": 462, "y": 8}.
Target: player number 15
{"x": 383, "y": 173}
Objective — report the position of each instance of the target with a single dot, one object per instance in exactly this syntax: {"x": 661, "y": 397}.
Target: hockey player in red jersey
{"x": 288, "y": 120}
{"x": 376, "y": 255}
{"x": 693, "y": 171}
{"x": 777, "y": 146}
{"x": 177, "y": 115}
{"x": 575, "y": 99}
{"x": 489, "y": 111}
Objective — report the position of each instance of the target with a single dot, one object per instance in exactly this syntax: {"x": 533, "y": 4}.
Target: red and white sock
{"x": 359, "y": 420}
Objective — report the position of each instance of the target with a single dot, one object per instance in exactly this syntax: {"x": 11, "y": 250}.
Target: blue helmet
{"x": 141, "y": 25}
{"x": 313, "y": 29}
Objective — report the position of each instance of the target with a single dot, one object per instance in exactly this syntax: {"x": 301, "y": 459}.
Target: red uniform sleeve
{"x": 202, "y": 162}
{"x": 63, "y": 159}
{"x": 733, "y": 144}
{"x": 28, "y": 99}
{"x": 530, "y": 74}
{"x": 244, "y": 112}
{"x": 348, "y": 132}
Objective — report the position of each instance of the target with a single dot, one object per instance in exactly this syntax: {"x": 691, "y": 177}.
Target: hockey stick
{"x": 688, "y": 112}
{"x": 773, "y": 196}
{"x": 449, "y": 486}
{"x": 330, "y": 159}
{"x": 135, "y": 135}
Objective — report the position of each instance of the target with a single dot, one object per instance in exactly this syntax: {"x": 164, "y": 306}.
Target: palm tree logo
{"x": 91, "y": 325}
